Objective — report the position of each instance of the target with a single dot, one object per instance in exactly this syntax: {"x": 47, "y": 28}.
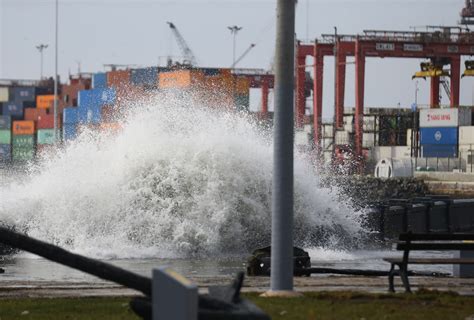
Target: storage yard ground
{"x": 314, "y": 305}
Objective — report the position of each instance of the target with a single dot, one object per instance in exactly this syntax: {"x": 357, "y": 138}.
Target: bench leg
{"x": 404, "y": 276}
{"x": 391, "y": 286}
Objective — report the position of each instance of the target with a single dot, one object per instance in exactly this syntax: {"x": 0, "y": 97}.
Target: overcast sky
{"x": 97, "y": 32}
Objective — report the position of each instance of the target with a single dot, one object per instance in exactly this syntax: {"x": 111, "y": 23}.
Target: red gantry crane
{"x": 444, "y": 46}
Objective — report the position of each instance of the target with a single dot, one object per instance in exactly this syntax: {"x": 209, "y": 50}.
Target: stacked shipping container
{"x": 439, "y": 131}
{"x": 26, "y": 113}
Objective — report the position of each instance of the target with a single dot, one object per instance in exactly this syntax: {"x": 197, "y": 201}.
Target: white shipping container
{"x": 401, "y": 152}
{"x": 342, "y": 137}
{"x": 466, "y": 135}
{"x": 369, "y": 123}
{"x": 348, "y": 119}
{"x": 398, "y": 152}
{"x": 383, "y": 152}
{"x": 349, "y": 127}
{"x": 301, "y": 138}
{"x": 3, "y": 94}
{"x": 409, "y": 137}
{"x": 368, "y": 140}
{"x": 327, "y": 130}
{"x": 452, "y": 117}
{"x": 326, "y": 143}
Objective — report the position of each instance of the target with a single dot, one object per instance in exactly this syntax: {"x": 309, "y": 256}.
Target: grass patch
{"x": 423, "y": 304}
{"x": 66, "y": 308}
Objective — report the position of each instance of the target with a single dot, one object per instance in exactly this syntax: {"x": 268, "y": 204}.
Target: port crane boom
{"x": 243, "y": 55}
{"x": 183, "y": 46}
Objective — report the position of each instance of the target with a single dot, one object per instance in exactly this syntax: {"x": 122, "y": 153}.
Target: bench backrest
{"x": 408, "y": 236}
{"x": 436, "y": 241}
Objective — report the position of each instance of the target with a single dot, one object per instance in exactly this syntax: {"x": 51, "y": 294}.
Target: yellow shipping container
{"x": 3, "y": 94}
{"x": 45, "y": 101}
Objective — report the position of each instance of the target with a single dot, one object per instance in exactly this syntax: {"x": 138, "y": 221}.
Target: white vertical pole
{"x": 55, "y": 107}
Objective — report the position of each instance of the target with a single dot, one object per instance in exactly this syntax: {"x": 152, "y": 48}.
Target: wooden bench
{"x": 427, "y": 242}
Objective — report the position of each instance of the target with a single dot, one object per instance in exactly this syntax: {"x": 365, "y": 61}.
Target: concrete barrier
{"x": 438, "y": 216}
{"x": 421, "y": 215}
{"x": 416, "y": 215}
{"x": 461, "y": 215}
{"x": 394, "y": 222}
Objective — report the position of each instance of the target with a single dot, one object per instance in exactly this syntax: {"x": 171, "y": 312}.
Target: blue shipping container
{"x": 70, "y": 115}
{"x": 99, "y": 80}
{"x": 211, "y": 71}
{"x": 5, "y": 122}
{"x": 14, "y": 109}
{"x": 145, "y": 76}
{"x": 439, "y": 136}
{"x": 69, "y": 131}
{"x": 88, "y": 115}
{"x": 5, "y": 152}
{"x": 21, "y": 94}
{"x": 96, "y": 97}
{"x": 439, "y": 151}
{"x": 29, "y": 104}
{"x": 106, "y": 96}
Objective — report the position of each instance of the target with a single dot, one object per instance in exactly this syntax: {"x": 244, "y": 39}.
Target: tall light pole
{"x": 40, "y": 48}
{"x": 283, "y": 131}
{"x": 55, "y": 105}
{"x": 234, "y": 30}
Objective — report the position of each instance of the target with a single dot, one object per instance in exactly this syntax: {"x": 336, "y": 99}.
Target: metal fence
{"x": 464, "y": 162}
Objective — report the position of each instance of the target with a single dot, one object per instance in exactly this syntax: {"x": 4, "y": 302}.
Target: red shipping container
{"x": 47, "y": 122}
{"x": 118, "y": 78}
{"x": 32, "y": 114}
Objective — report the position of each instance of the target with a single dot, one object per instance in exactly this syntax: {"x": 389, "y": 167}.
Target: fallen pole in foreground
{"x": 222, "y": 302}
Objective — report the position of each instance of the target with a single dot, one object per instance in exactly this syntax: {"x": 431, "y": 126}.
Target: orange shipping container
{"x": 23, "y": 127}
{"x": 112, "y": 127}
{"x": 242, "y": 85}
{"x": 180, "y": 79}
{"x": 45, "y": 101}
{"x": 176, "y": 79}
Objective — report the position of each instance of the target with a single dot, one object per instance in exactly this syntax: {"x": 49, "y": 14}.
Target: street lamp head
{"x": 41, "y": 47}
{"x": 234, "y": 29}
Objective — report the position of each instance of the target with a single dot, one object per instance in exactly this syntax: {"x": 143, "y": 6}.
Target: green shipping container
{"x": 5, "y": 137}
{"x": 23, "y": 154}
{"x": 242, "y": 101}
{"x": 45, "y": 136}
{"x": 23, "y": 141}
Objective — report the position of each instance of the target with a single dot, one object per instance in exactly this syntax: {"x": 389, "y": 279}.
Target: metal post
{"x": 234, "y": 30}
{"x": 282, "y": 198}
{"x": 40, "y": 48}
{"x": 334, "y": 126}
{"x": 55, "y": 106}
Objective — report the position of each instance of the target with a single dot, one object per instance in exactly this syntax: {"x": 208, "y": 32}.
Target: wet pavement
{"x": 53, "y": 289}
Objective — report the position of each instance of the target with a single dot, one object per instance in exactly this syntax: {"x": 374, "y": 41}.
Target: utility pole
{"x": 40, "y": 48}
{"x": 55, "y": 105}
{"x": 334, "y": 125}
{"x": 234, "y": 30}
{"x": 283, "y": 131}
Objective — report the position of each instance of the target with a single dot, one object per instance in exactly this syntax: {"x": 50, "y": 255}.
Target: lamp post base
{"x": 281, "y": 294}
